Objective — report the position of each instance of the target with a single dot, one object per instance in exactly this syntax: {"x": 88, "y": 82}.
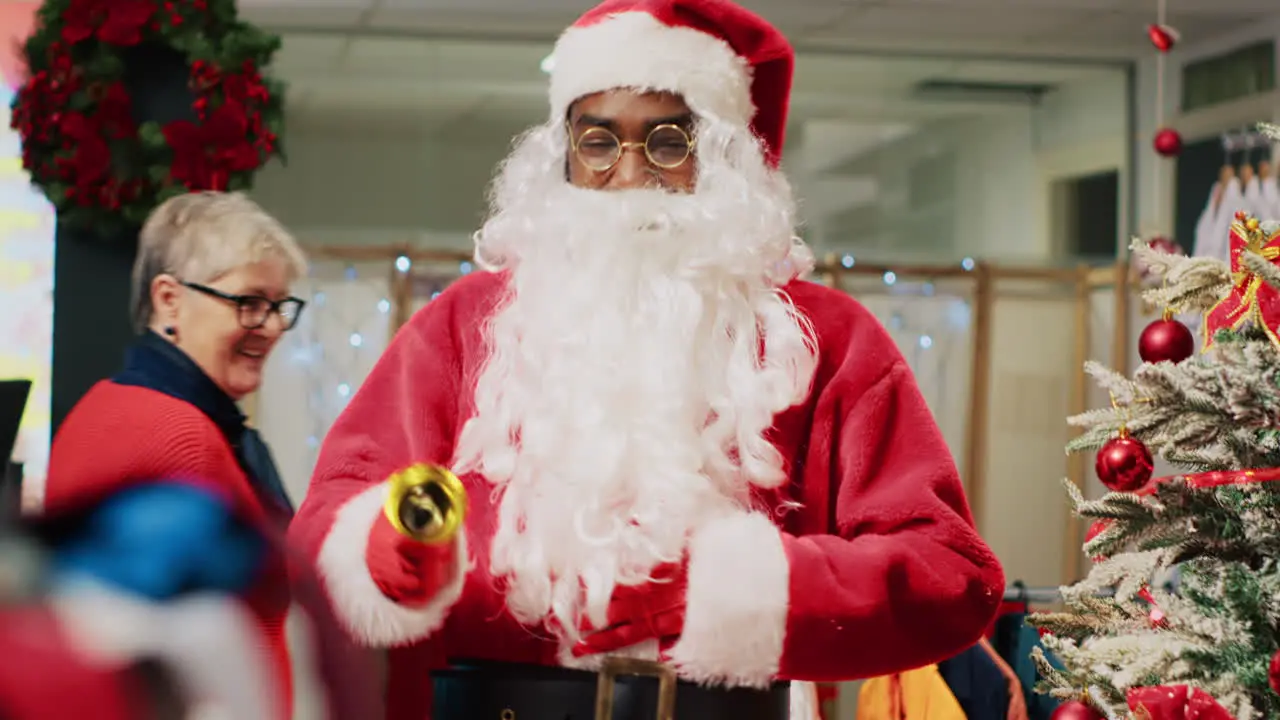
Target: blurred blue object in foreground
{"x": 159, "y": 541}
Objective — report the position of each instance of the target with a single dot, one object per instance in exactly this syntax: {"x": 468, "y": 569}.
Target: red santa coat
{"x": 879, "y": 569}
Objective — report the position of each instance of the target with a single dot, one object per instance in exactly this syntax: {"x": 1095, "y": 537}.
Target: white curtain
{"x": 321, "y": 363}
{"x": 931, "y": 324}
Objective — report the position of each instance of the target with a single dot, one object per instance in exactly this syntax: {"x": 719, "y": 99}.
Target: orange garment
{"x": 1017, "y": 702}
{"x": 919, "y": 694}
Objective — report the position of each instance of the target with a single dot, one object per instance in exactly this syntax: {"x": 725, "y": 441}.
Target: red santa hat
{"x": 725, "y": 61}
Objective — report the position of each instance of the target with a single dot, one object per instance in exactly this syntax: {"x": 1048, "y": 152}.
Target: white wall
{"x": 1003, "y": 163}
{"x": 344, "y": 186}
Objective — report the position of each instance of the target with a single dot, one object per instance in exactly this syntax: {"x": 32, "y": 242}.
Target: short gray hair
{"x": 201, "y": 236}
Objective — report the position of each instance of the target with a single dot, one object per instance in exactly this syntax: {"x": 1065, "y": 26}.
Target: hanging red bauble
{"x": 1166, "y": 339}
{"x": 1273, "y": 673}
{"x": 1076, "y": 710}
{"x": 1124, "y": 464}
{"x": 1162, "y": 37}
{"x": 1168, "y": 143}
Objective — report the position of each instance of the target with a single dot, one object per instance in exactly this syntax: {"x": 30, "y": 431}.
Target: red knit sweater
{"x": 118, "y": 435}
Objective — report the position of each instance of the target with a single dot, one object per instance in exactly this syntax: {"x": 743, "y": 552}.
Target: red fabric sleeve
{"x": 407, "y": 411}
{"x": 880, "y": 569}
{"x": 907, "y": 581}
{"x": 118, "y": 436}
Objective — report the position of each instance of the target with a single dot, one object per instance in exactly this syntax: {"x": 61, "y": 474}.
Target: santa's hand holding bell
{"x": 670, "y": 446}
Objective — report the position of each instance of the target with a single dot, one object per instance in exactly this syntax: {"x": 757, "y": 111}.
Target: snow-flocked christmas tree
{"x": 1207, "y": 649}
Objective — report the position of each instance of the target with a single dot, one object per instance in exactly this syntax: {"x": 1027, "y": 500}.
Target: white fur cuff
{"x": 368, "y": 614}
{"x": 737, "y": 600}
{"x": 634, "y": 50}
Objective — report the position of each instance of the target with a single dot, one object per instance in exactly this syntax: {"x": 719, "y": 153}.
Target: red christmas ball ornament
{"x": 1076, "y": 710}
{"x": 1166, "y": 339}
{"x": 1273, "y": 673}
{"x": 1124, "y": 464}
{"x": 1168, "y": 143}
{"x": 1162, "y": 37}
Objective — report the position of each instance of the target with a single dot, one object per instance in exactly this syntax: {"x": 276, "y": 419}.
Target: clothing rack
{"x": 1244, "y": 140}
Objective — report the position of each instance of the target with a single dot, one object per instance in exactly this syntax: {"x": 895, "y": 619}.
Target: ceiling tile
{"x": 493, "y": 7}
{"x": 991, "y": 9}
{"x": 1126, "y": 30}
{"x": 389, "y": 53}
{"x": 519, "y": 21}
{"x": 296, "y": 5}
{"x": 309, "y": 52}
{"x": 943, "y": 20}
{"x": 1018, "y": 72}
{"x": 306, "y": 16}
{"x": 838, "y": 74}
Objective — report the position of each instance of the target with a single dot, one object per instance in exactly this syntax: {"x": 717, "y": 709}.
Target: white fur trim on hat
{"x": 635, "y": 50}
{"x": 369, "y": 615}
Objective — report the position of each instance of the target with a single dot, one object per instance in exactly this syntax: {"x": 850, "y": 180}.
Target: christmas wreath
{"x": 97, "y": 146}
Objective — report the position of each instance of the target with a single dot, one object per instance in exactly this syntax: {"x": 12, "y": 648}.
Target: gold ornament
{"x": 427, "y": 503}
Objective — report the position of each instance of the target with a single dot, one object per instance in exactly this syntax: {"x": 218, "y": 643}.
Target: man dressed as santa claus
{"x": 672, "y": 448}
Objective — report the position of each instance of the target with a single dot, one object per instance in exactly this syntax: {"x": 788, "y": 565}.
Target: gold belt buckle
{"x": 612, "y": 667}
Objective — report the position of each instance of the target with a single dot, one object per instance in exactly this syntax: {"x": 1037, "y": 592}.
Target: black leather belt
{"x": 622, "y": 690}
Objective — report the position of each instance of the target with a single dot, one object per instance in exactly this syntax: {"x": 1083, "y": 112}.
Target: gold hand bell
{"x": 427, "y": 503}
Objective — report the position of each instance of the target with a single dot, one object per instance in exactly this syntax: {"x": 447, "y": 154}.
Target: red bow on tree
{"x": 1251, "y": 298}
{"x": 1175, "y": 702}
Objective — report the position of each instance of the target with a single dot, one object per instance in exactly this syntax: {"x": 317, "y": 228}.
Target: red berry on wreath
{"x": 1166, "y": 339}
{"x": 104, "y": 139}
{"x": 1124, "y": 464}
{"x": 1273, "y": 673}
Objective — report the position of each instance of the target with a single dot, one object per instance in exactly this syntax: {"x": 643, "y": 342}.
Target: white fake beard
{"x": 625, "y": 400}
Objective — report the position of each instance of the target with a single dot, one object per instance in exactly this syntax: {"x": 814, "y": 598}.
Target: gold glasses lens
{"x": 598, "y": 149}
{"x": 668, "y": 146}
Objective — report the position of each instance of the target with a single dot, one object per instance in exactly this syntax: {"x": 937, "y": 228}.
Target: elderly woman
{"x": 171, "y": 490}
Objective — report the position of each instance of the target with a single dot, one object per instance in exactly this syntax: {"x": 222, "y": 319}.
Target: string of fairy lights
{"x": 957, "y": 311}
{"x": 345, "y": 330}
{"x": 348, "y": 324}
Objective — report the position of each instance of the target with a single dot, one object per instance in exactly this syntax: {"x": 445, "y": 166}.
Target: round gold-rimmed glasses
{"x": 667, "y": 147}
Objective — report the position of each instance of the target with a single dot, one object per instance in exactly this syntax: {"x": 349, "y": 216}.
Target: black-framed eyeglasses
{"x": 667, "y": 147}
{"x": 254, "y": 310}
